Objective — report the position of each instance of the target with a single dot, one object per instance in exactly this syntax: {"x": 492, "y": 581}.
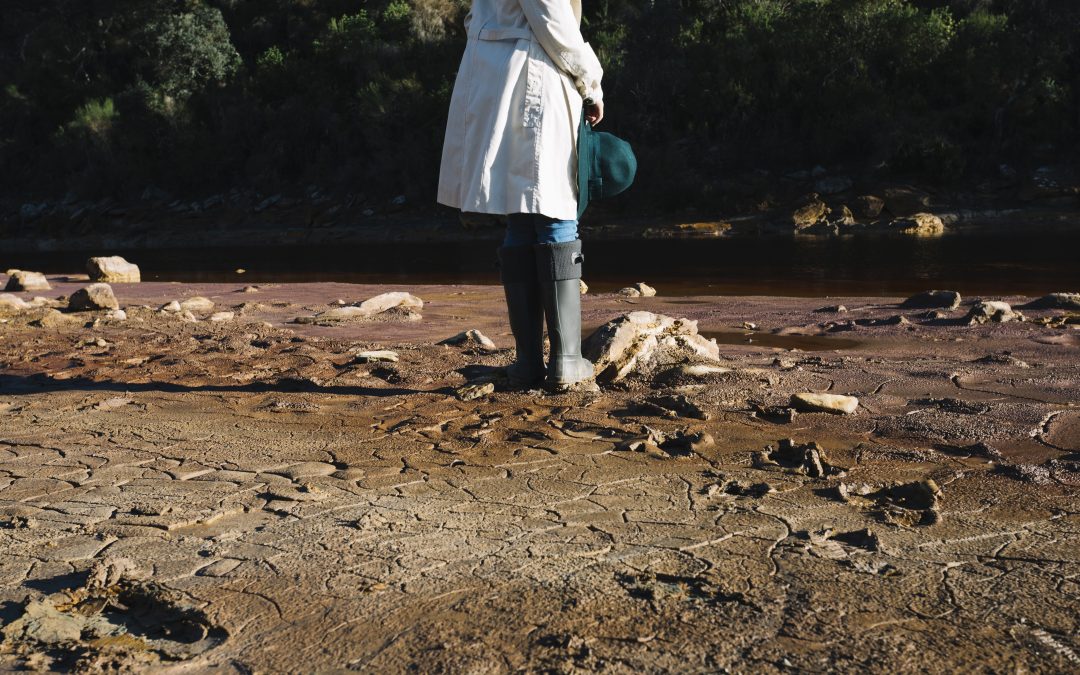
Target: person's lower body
{"x": 540, "y": 266}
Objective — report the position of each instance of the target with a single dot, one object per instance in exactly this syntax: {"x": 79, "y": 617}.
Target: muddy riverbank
{"x": 249, "y": 494}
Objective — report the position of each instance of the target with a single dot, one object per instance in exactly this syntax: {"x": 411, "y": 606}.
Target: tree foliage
{"x": 109, "y": 96}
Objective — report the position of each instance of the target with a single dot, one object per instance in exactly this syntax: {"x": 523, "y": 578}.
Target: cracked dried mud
{"x": 248, "y": 496}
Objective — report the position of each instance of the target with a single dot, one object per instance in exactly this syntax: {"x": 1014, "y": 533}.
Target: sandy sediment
{"x": 248, "y": 495}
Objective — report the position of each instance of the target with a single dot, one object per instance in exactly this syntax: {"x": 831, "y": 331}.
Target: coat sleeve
{"x": 554, "y": 24}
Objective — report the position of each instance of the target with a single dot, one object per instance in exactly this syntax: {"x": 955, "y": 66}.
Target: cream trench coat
{"x": 511, "y": 135}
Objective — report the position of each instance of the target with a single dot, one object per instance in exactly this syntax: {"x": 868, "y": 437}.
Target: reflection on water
{"x": 980, "y": 264}
{"x": 806, "y": 343}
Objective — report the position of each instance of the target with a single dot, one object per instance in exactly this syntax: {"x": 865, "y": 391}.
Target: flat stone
{"x": 831, "y": 403}
{"x": 197, "y": 303}
{"x": 93, "y": 297}
{"x": 377, "y": 356}
{"x": 1056, "y": 301}
{"x": 222, "y": 316}
{"x": 933, "y": 300}
{"x": 21, "y": 280}
{"x": 385, "y": 301}
{"x": 112, "y": 269}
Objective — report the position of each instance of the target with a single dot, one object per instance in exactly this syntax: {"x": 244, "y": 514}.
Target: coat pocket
{"x": 534, "y": 85}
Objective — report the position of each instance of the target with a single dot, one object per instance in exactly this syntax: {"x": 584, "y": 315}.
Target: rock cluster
{"x": 641, "y": 342}
{"x": 402, "y": 305}
{"x": 638, "y": 290}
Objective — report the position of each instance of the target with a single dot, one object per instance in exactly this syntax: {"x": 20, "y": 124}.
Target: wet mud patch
{"x": 806, "y": 343}
{"x": 112, "y": 622}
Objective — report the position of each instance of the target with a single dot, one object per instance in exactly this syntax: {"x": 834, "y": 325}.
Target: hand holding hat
{"x": 606, "y": 163}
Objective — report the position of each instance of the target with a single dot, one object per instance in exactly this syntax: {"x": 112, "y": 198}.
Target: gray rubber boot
{"x": 517, "y": 269}
{"x": 558, "y": 269}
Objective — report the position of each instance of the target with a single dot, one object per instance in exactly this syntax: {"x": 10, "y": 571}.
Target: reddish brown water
{"x": 867, "y": 266}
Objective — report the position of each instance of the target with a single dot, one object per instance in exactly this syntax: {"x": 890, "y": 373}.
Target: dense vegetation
{"x": 107, "y": 97}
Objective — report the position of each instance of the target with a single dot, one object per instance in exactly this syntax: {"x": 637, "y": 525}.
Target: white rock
{"x": 639, "y": 290}
{"x": 113, "y": 269}
{"x": 21, "y": 280}
{"x": 341, "y": 313}
{"x": 93, "y": 297}
{"x": 173, "y": 307}
{"x": 116, "y": 315}
{"x": 992, "y": 310}
{"x": 921, "y": 225}
{"x": 471, "y": 337}
{"x": 222, "y": 316}
{"x": 702, "y": 370}
{"x": 376, "y": 355}
{"x": 832, "y": 403}
{"x": 188, "y": 317}
{"x": 643, "y": 341}
{"x": 385, "y": 301}
{"x": 583, "y": 286}
{"x": 11, "y": 304}
{"x": 197, "y": 303}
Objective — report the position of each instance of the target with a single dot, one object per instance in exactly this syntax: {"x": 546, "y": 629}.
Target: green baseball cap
{"x": 606, "y": 164}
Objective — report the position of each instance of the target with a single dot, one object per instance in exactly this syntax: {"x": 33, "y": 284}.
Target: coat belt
{"x": 504, "y": 33}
